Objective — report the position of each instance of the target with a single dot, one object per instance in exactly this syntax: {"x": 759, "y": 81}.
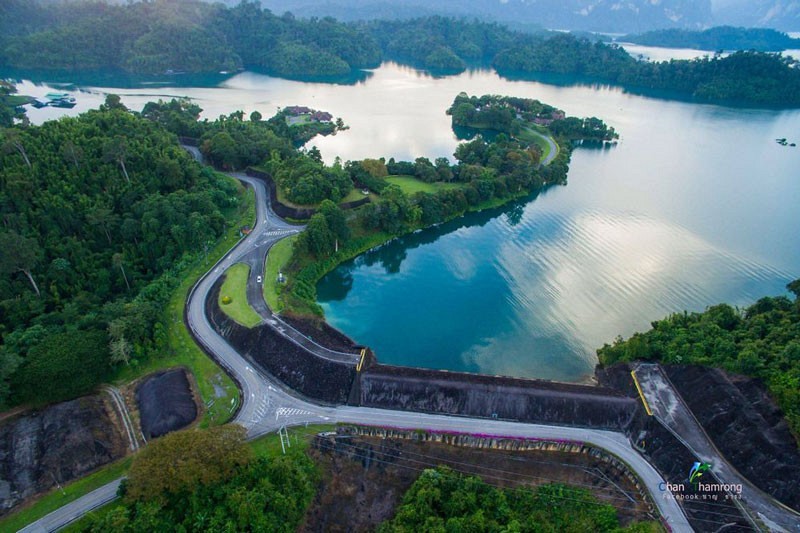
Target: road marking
{"x": 641, "y": 394}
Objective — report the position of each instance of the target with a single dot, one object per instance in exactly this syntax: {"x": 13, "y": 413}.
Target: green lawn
{"x": 529, "y": 136}
{"x": 235, "y": 288}
{"x": 270, "y": 445}
{"x": 354, "y": 196}
{"x": 56, "y": 498}
{"x": 411, "y": 185}
{"x": 277, "y": 259}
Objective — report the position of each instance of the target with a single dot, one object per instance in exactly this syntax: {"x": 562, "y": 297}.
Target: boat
{"x": 68, "y": 103}
{"x": 56, "y": 96}
{"x": 38, "y": 104}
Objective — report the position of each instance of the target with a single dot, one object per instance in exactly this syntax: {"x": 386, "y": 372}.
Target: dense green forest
{"x": 762, "y": 341}
{"x": 513, "y": 116}
{"x": 211, "y": 481}
{"x": 99, "y": 213}
{"x": 444, "y": 500}
{"x": 439, "y": 43}
{"x": 187, "y": 36}
{"x": 753, "y": 77}
{"x": 718, "y": 38}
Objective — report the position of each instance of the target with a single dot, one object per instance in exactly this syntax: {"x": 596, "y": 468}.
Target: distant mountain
{"x": 778, "y": 14}
{"x": 625, "y": 16}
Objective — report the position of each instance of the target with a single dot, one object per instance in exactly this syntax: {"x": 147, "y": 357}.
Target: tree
{"x": 72, "y": 153}
{"x": 255, "y": 116}
{"x": 184, "y": 460}
{"x": 63, "y": 366}
{"x": 117, "y": 259}
{"x": 13, "y": 141}
{"x": 318, "y": 237}
{"x": 337, "y": 223}
{"x": 116, "y": 150}
{"x": 20, "y": 254}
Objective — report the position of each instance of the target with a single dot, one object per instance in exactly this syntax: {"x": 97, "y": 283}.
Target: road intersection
{"x": 268, "y": 405}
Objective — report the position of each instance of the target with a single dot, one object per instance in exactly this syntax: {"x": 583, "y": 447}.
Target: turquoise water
{"x": 696, "y": 205}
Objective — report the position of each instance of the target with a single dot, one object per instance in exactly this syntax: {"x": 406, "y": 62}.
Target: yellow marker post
{"x": 361, "y": 361}
{"x": 641, "y": 394}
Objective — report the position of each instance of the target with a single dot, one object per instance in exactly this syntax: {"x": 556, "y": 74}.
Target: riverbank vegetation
{"x": 745, "y": 76}
{"x": 762, "y": 341}
{"x": 158, "y": 38}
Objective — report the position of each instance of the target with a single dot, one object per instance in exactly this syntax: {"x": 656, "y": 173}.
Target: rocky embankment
{"x": 316, "y": 378}
{"x": 526, "y": 400}
{"x": 57, "y": 444}
{"x": 745, "y": 425}
{"x": 672, "y": 459}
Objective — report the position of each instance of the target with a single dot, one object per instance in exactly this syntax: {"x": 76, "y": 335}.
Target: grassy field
{"x": 235, "y": 288}
{"x": 56, "y": 498}
{"x": 529, "y": 136}
{"x": 277, "y": 259}
{"x": 411, "y": 185}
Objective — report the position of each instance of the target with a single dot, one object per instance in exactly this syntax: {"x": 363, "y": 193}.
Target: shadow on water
{"x": 120, "y": 79}
{"x": 577, "y": 80}
{"x": 115, "y": 78}
{"x": 390, "y": 256}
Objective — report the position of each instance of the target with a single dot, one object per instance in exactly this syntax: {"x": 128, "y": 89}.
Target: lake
{"x": 696, "y": 205}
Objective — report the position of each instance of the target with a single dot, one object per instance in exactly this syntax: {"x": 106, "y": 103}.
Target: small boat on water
{"x": 56, "y": 96}
{"x": 68, "y": 103}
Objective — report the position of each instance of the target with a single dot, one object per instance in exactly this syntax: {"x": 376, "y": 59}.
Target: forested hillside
{"x": 753, "y": 77}
{"x": 187, "y": 36}
{"x": 98, "y": 212}
{"x": 192, "y": 36}
{"x": 762, "y": 341}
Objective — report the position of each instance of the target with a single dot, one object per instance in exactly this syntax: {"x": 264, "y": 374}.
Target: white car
{"x": 258, "y": 279}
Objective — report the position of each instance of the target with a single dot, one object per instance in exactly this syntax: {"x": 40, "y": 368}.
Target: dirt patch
{"x": 745, "y": 425}
{"x": 165, "y": 403}
{"x": 59, "y": 443}
{"x": 364, "y": 478}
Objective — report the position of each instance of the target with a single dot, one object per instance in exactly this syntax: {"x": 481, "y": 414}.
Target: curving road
{"x": 267, "y": 405}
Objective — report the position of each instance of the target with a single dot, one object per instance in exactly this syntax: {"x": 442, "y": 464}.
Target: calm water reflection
{"x": 696, "y": 205}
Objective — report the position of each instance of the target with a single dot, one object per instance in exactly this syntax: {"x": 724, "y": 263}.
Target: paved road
{"x": 670, "y": 409}
{"x": 267, "y": 404}
{"x": 74, "y": 510}
{"x": 551, "y": 143}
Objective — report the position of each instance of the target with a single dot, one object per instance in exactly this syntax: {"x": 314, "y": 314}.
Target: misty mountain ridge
{"x": 622, "y": 16}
